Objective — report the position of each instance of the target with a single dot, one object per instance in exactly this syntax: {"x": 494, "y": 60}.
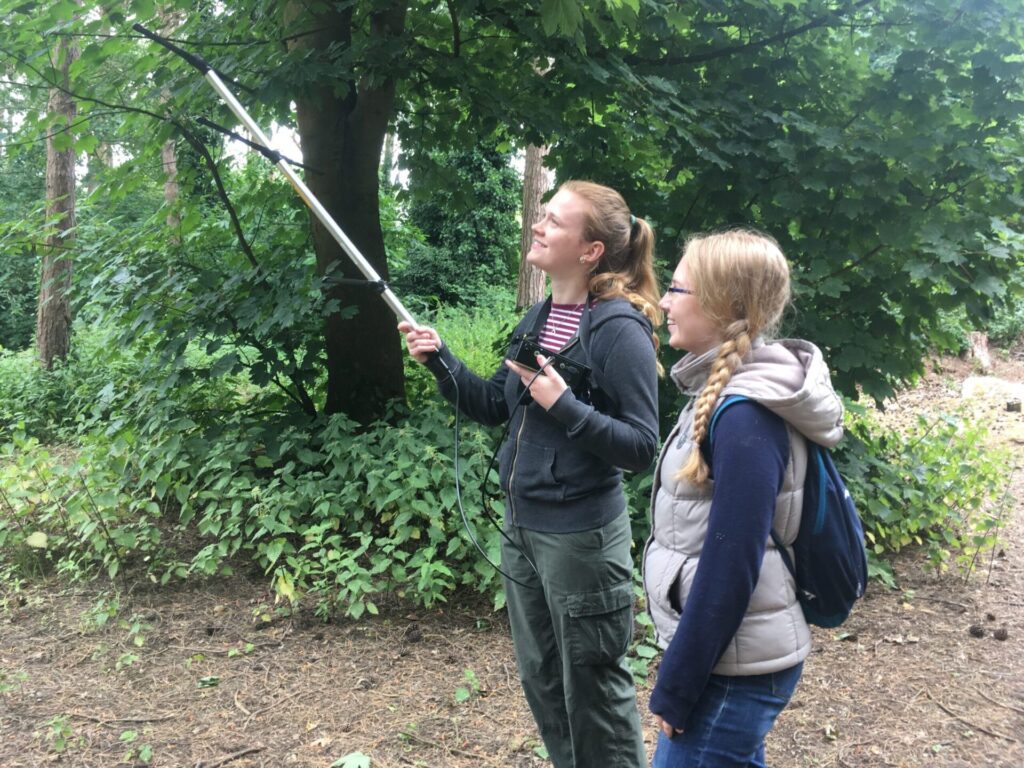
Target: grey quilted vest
{"x": 789, "y": 378}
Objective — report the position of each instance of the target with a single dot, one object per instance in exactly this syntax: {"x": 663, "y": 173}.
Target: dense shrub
{"x": 933, "y": 486}
{"x": 1007, "y": 325}
{"x": 19, "y": 291}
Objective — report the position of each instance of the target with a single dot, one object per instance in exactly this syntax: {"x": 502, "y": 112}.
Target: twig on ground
{"x": 104, "y": 720}
{"x": 444, "y": 747}
{"x": 999, "y": 703}
{"x": 228, "y": 758}
{"x": 267, "y": 708}
{"x": 963, "y": 608}
{"x": 969, "y": 724}
{"x": 239, "y": 705}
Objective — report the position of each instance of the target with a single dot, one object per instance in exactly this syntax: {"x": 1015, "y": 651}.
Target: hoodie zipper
{"x": 512, "y": 472}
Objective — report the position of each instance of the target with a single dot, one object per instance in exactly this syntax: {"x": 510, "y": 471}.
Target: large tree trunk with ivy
{"x": 53, "y": 316}
{"x": 341, "y": 128}
{"x": 535, "y": 184}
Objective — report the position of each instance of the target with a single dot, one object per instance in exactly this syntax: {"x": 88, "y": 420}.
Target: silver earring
{"x": 583, "y": 259}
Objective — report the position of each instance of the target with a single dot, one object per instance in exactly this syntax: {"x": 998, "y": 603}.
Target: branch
{"x": 194, "y": 42}
{"x": 720, "y": 53}
{"x": 65, "y": 129}
{"x": 199, "y": 146}
{"x": 456, "y": 32}
{"x": 855, "y": 263}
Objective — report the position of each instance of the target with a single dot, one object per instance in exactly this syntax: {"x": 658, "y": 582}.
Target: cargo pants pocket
{"x": 600, "y": 624}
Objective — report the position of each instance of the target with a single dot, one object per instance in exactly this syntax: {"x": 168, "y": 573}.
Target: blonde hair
{"x": 741, "y": 281}
{"x": 626, "y": 268}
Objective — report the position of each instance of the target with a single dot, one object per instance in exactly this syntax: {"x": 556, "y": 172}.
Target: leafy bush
{"x": 932, "y": 487}
{"x": 347, "y": 515}
{"x": 19, "y": 291}
{"x": 21, "y": 199}
{"x": 1007, "y": 325}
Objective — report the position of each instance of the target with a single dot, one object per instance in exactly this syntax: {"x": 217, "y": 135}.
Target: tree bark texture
{"x": 535, "y": 184}
{"x": 170, "y": 162}
{"x": 53, "y": 316}
{"x": 169, "y": 21}
{"x": 341, "y": 128}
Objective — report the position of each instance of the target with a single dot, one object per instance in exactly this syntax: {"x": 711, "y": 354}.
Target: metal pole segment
{"x": 310, "y": 200}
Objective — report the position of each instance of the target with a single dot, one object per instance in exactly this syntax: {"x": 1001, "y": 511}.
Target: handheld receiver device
{"x": 525, "y": 348}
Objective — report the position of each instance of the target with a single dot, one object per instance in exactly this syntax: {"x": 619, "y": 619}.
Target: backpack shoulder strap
{"x": 731, "y": 400}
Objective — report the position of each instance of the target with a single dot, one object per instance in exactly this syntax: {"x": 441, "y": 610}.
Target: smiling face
{"x": 558, "y": 238}
{"x": 689, "y": 328}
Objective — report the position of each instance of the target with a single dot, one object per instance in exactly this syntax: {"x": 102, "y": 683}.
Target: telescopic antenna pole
{"x": 300, "y": 186}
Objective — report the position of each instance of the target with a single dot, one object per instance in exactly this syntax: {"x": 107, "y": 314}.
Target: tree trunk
{"x": 535, "y": 184}
{"x": 342, "y": 137}
{"x": 53, "y": 317}
{"x": 169, "y": 21}
{"x": 170, "y": 163}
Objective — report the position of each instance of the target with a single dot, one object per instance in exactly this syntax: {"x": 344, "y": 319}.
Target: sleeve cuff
{"x": 571, "y": 412}
{"x": 436, "y": 364}
{"x": 674, "y": 711}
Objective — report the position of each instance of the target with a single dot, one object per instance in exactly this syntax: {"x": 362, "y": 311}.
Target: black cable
{"x": 483, "y": 487}
{"x": 271, "y": 154}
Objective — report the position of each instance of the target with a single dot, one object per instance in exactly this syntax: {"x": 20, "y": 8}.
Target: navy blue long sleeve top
{"x": 747, "y": 459}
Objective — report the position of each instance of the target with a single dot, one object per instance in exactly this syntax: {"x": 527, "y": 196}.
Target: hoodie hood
{"x": 788, "y": 377}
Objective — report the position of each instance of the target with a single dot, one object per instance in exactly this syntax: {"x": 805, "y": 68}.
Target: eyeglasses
{"x": 673, "y": 289}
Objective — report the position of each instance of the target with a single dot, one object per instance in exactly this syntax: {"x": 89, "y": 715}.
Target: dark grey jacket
{"x": 561, "y": 469}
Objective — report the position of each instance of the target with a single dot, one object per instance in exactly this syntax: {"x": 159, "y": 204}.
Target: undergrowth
{"x": 107, "y": 470}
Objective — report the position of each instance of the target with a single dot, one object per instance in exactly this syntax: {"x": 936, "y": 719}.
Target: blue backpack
{"x": 831, "y": 567}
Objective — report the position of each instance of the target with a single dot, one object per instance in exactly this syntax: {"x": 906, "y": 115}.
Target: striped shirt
{"x": 561, "y": 326}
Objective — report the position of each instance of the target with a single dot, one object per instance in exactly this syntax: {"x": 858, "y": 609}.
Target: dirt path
{"x": 909, "y": 686}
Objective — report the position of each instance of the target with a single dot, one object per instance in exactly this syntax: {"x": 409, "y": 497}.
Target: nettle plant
{"x": 361, "y": 513}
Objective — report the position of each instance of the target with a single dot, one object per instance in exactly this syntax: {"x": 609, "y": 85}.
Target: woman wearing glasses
{"x": 723, "y": 602}
{"x": 570, "y": 594}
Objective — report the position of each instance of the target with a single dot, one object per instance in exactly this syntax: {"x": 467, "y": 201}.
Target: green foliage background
{"x": 879, "y": 141}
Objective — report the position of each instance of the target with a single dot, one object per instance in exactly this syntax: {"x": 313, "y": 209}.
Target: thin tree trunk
{"x": 169, "y": 21}
{"x": 535, "y": 184}
{"x": 170, "y": 163}
{"x": 53, "y": 317}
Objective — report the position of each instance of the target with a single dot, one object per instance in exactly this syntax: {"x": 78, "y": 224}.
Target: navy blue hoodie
{"x": 561, "y": 469}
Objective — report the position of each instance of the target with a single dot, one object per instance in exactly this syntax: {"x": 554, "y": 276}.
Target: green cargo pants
{"x": 571, "y": 631}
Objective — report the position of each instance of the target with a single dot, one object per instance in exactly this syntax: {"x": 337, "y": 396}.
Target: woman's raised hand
{"x": 421, "y": 342}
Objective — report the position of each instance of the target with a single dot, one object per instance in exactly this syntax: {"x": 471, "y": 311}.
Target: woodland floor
{"x": 907, "y": 685}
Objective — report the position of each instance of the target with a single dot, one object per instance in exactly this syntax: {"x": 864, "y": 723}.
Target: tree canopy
{"x": 879, "y": 141}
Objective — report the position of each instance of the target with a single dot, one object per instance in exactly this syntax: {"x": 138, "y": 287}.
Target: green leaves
{"x": 352, "y": 760}
{"x": 560, "y": 17}
{"x": 910, "y": 492}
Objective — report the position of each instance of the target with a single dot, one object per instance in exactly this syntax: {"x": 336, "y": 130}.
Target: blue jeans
{"x": 728, "y": 725}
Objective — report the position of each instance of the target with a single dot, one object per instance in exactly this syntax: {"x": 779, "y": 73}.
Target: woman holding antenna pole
{"x": 566, "y": 550}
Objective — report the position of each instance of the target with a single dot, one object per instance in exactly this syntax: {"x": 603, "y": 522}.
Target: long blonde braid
{"x": 742, "y": 284}
{"x": 730, "y": 355}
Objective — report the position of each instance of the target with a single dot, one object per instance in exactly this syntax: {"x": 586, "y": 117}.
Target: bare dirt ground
{"x": 909, "y": 685}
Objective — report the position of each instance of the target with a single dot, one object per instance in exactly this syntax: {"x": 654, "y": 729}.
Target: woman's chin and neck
{"x": 569, "y": 289}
